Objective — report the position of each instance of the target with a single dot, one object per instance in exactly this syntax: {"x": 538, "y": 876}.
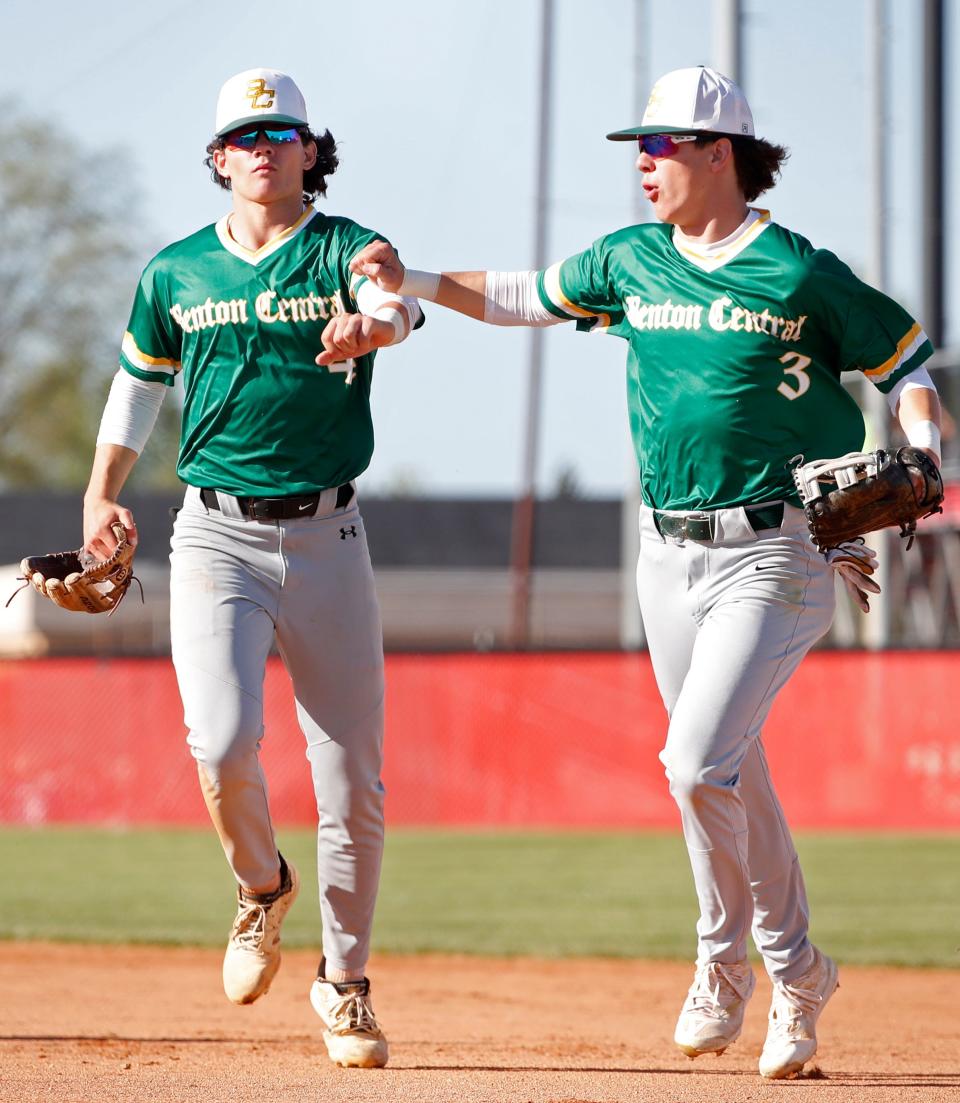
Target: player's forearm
{"x": 402, "y": 313}
{"x": 919, "y": 414}
{"x": 460, "y": 291}
{"x": 498, "y": 298}
{"x": 112, "y": 464}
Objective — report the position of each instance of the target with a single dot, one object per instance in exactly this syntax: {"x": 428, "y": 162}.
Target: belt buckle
{"x": 261, "y": 509}
{"x": 699, "y": 528}
{"x": 685, "y": 527}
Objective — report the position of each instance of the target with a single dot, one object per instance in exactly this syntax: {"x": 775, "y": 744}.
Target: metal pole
{"x": 522, "y": 535}
{"x": 727, "y": 38}
{"x": 877, "y": 627}
{"x": 932, "y": 167}
{"x": 878, "y": 123}
{"x": 632, "y": 635}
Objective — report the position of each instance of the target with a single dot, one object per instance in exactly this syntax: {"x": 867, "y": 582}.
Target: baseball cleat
{"x": 253, "y": 951}
{"x": 352, "y": 1036}
{"x": 712, "y": 1014}
{"x": 794, "y": 1010}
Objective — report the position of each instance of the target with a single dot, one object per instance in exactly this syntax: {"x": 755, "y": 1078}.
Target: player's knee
{"x": 360, "y": 806}
{"x": 691, "y": 780}
{"x": 226, "y": 749}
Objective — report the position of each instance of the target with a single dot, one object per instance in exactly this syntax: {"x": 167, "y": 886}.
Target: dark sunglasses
{"x": 663, "y": 145}
{"x": 247, "y": 139}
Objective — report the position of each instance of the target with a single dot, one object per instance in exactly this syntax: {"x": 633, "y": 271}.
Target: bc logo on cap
{"x": 256, "y": 89}
{"x": 655, "y": 101}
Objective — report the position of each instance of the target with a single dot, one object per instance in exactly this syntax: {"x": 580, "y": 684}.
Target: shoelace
{"x": 353, "y": 1014}
{"x": 790, "y": 1004}
{"x": 707, "y": 994}
{"x": 250, "y": 926}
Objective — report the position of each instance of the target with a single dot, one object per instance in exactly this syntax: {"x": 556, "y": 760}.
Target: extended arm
{"x": 499, "y": 298}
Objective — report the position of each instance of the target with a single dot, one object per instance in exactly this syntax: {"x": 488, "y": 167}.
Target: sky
{"x": 435, "y": 107}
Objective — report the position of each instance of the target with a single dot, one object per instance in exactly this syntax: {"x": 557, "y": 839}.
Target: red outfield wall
{"x": 855, "y": 741}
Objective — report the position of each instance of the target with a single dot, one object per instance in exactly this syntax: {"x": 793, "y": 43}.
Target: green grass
{"x": 874, "y": 898}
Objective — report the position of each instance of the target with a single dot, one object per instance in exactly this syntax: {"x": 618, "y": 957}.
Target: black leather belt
{"x": 681, "y": 526}
{"x": 278, "y": 509}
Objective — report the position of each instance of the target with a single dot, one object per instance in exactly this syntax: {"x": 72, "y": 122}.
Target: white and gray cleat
{"x": 712, "y": 1014}
{"x": 352, "y": 1036}
{"x": 794, "y": 1010}
{"x": 253, "y": 951}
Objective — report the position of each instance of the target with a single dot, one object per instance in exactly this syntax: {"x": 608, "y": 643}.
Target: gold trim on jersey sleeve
{"x": 906, "y": 347}
{"x": 355, "y": 282}
{"x": 551, "y": 284}
{"x": 145, "y": 362}
{"x": 254, "y": 256}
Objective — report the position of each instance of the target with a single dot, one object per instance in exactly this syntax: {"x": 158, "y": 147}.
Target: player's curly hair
{"x": 314, "y": 179}
{"x": 758, "y": 162}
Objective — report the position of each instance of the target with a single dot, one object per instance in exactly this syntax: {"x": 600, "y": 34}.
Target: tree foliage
{"x": 71, "y": 247}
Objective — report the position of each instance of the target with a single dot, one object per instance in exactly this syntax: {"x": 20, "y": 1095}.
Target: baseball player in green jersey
{"x": 738, "y": 331}
{"x": 269, "y": 546}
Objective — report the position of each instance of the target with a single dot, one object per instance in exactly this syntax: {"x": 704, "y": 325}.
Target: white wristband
{"x": 924, "y": 434}
{"x": 396, "y": 318}
{"x": 420, "y": 285}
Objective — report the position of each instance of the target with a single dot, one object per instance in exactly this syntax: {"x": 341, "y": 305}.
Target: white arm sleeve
{"x": 401, "y": 311}
{"x": 512, "y": 300}
{"x": 131, "y": 411}
{"x": 919, "y": 377}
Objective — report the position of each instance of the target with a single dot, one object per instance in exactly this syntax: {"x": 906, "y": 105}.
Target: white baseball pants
{"x": 236, "y": 587}
{"x": 727, "y": 623}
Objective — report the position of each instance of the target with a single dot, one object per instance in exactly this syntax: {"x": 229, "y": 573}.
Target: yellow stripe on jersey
{"x": 144, "y": 362}
{"x": 355, "y": 282}
{"x": 551, "y": 284}
{"x": 254, "y": 256}
{"x": 906, "y": 347}
{"x": 709, "y": 262}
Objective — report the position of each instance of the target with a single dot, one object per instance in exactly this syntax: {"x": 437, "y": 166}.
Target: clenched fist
{"x": 379, "y": 263}
{"x": 348, "y": 336}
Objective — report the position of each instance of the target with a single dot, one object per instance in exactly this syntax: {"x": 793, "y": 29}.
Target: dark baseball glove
{"x": 78, "y": 581}
{"x": 864, "y": 491}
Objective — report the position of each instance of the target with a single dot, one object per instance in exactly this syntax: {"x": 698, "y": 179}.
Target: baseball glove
{"x": 864, "y": 491}
{"x": 78, "y": 581}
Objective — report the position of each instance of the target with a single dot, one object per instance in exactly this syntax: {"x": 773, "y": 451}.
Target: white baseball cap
{"x": 259, "y": 96}
{"x": 686, "y": 100}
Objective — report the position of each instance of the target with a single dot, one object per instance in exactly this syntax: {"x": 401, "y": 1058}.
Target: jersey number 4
{"x": 347, "y": 367}
{"x": 796, "y": 367}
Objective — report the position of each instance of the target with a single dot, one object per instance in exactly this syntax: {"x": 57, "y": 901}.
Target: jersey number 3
{"x": 796, "y": 367}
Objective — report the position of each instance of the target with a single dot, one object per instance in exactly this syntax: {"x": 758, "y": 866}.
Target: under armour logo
{"x": 257, "y": 89}
{"x": 350, "y": 530}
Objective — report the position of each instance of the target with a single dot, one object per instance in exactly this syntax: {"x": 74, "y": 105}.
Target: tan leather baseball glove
{"x": 78, "y": 581}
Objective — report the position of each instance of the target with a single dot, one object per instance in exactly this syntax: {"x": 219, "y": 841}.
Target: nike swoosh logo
{"x": 764, "y": 566}
{"x": 302, "y": 508}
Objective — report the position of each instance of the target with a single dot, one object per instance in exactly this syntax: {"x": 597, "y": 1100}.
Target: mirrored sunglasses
{"x": 247, "y": 139}
{"x": 663, "y": 145}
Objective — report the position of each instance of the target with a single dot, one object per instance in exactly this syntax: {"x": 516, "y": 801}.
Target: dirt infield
{"x": 99, "y": 1024}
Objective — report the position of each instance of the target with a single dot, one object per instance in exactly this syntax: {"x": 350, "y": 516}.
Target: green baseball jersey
{"x": 260, "y": 418}
{"x": 734, "y": 360}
